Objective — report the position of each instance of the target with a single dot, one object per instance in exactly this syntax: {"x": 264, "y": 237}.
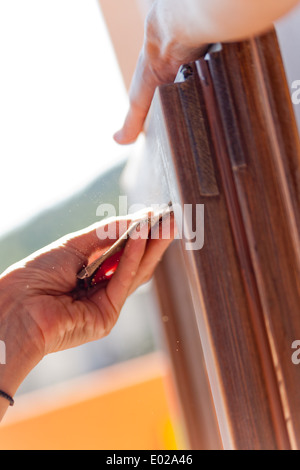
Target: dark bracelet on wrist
{"x": 8, "y": 397}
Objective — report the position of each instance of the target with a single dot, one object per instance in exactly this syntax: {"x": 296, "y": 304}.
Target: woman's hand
{"x": 40, "y": 312}
{"x": 158, "y": 64}
{"x": 177, "y": 32}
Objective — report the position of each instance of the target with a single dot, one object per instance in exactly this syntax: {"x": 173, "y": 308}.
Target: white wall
{"x": 61, "y": 100}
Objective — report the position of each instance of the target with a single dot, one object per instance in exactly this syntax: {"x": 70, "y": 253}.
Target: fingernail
{"x": 122, "y": 137}
{"x": 118, "y": 136}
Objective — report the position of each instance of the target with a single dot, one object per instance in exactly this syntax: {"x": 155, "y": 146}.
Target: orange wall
{"x": 129, "y": 409}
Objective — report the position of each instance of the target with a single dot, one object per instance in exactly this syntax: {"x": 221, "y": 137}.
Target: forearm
{"x": 195, "y": 22}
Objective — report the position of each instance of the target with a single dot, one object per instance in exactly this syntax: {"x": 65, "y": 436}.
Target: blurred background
{"x": 63, "y": 94}
{"x": 66, "y": 67}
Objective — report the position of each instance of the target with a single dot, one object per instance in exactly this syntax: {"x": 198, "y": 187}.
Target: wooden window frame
{"x": 224, "y": 135}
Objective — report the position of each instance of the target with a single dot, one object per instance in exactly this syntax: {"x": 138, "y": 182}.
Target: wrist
{"x": 19, "y": 351}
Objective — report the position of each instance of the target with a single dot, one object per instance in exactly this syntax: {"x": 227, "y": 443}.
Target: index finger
{"x": 143, "y": 85}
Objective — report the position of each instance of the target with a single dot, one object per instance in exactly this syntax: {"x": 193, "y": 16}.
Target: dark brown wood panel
{"x": 220, "y": 303}
{"x": 224, "y": 136}
{"x": 185, "y": 350}
{"x": 268, "y": 195}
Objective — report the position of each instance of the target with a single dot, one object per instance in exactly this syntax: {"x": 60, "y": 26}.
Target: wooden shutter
{"x": 224, "y": 136}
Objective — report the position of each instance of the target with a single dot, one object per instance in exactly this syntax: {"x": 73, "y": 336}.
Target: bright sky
{"x": 61, "y": 100}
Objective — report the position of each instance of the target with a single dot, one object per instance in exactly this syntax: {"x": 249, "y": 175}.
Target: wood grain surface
{"x": 224, "y": 135}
